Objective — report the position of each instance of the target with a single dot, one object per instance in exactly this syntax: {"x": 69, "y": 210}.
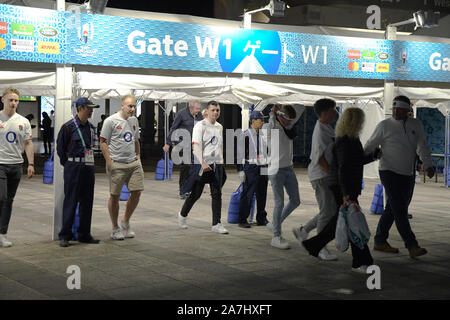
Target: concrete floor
{"x": 164, "y": 262}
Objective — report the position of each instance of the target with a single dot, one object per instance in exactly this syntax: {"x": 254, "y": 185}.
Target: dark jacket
{"x": 183, "y": 120}
{"x": 69, "y": 142}
{"x": 350, "y": 160}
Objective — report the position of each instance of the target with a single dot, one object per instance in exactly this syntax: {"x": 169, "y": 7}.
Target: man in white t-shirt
{"x": 15, "y": 136}
{"x": 207, "y": 143}
{"x": 318, "y": 169}
{"x": 119, "y": 142}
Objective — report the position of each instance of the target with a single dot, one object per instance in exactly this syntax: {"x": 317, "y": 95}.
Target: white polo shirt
{"x": 13, "y": 133}
{"x": 121, "y": 135}
{"x": 209, "y": 137}
{"x": 400, "y": 141}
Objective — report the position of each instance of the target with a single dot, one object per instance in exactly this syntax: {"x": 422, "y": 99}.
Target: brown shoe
{"x": 385, "y": 247}
{"x": 416, "y": 252}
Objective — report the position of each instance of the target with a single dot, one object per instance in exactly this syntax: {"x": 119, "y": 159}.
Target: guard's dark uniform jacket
{"x": 255, "y": 182}
{"x": 79, "y": 178}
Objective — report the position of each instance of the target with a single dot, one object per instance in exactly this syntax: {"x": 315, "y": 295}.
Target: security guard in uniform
{"x": 251, "y": 175}
{"x": 75, "y": 150}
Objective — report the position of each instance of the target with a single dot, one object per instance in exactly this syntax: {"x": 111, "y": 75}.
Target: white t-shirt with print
{"x": 121, "y": 136}
{"x": 13, "y": 133}
{"x": 209, "y": 137}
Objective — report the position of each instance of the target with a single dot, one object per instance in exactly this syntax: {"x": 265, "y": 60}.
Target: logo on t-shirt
{"x": 128, "y": 136}
{"x": 214, "y": 141}
{"x": 119, "y": 127}
{"x": 20, "y": 127}
{"x": 11, "y": 137}
{"x": 134, "y": 128}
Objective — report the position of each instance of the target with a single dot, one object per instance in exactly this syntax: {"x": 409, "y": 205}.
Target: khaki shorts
{"x": 130, "y": 174}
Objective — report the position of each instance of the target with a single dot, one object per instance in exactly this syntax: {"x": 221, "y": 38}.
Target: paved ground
{"x": 164, "y": 262}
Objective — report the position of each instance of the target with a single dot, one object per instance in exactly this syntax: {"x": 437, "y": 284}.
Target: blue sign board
{"x": 141, "y": 43}
{"x": 29, "y": 34}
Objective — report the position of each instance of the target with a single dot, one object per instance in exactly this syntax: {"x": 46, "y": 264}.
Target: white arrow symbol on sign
{"x": 286, "y": 52}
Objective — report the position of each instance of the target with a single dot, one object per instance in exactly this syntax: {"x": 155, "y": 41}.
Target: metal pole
{"x": 389, "y": 86}
{"x": 63, "y": 112}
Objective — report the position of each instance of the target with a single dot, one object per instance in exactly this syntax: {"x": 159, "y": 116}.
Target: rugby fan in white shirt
{"x": 15, "y": 136}
{"x": 119, "y": 141}
{"x": 207, "y": 143}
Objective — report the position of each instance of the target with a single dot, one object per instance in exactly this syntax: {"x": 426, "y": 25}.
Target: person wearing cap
{"x": 400, "y": 137}
{"x": 15, "y": 136}
{"x": 185, "y": 119}
{"x": 318, "y": 172}
{"x": 74, "y": 146}
{"x": 119, "y": 141}
{"x": 254, "y": 180}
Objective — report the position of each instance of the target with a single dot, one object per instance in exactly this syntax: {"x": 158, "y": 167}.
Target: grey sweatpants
{"x": 10, "y": 175}
{"x": 327, "y": 206}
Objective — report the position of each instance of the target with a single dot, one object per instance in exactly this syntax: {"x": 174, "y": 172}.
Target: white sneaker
{"x": 280, "y": 243}
{"x": 270, "y": 226}
{"x": 324, "y": 254}
{"x": 4, "y": 241}
{"x": 116, "y": 234}
{"x": 219, "y": 228}
{"x": 362, "y": 269}
{"x": 126, "y": 230}
{"x": 182, "y": 221}
{"x": 300, "y": 234}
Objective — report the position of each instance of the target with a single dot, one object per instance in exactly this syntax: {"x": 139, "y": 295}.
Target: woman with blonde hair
{"x": 349, "y": 160}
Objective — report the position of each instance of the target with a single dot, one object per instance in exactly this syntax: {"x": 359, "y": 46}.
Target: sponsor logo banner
{"x": 22, "y": 29}
{"x": 383, "y": 55}
{"x": 382, "y": 67}
{"x": 22, "y": 45}
{"x": 368, "y": 66}
{"x": 354, "y": 54}
{"x": 48, "y": 47}
{"x": 353, "y": 66}
{"x": 3, "y": 27}
{"x": 142, "y": 43}
{"x": 368, "y": 55}
{"x": 48, "y": 32}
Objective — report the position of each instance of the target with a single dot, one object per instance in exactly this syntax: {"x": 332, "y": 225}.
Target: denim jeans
{"x": 399, "y": 190}
{"x": 285, "y": 178}
{"x": 10, "y": 175}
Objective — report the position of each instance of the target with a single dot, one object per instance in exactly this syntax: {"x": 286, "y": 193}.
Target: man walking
{"x": 185, "y": 119}
{"x": 119, "y": 142}
{"x": 207, "y": 141}
{"x": 15, "y": 136}
{"x": 74, "y": 146}
{"x": 252, "y": 174}
{"x": 318, "y": 169}
{"x": 400, "y": 137}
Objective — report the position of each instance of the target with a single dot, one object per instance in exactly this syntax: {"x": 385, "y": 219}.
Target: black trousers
{"x": 214, "y": 179}
{"x": 184, "y": 175}
{"x": 254, "y": 183}
{"x": 316, "y": 243}
{"x": 47, "y": 137}
{"x": 10, "y": 175}
{"x": 79, "y": 180}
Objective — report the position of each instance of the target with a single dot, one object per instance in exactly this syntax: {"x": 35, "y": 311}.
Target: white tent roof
{"x": 111, "y": 82}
